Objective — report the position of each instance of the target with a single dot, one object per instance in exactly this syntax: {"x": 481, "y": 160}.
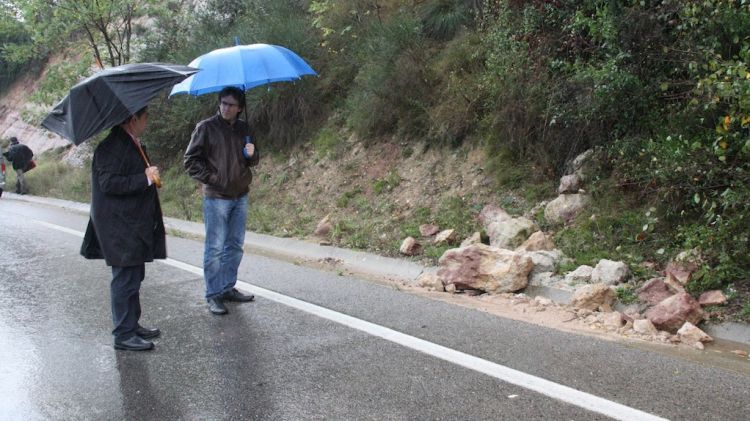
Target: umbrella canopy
{"x": 244, "y": 67}
{"x": 110, "y": 96}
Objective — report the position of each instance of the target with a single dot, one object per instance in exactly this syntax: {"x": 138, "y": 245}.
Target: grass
{"x": 626, "y": 294}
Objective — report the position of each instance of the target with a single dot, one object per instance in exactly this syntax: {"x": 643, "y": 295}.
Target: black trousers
{"x": 126, "y": 300}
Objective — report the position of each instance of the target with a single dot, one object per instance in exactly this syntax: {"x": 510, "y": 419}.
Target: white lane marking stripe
{"x": 545, "y": 387}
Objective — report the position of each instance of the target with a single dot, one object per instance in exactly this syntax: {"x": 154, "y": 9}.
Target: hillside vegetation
{"x": 512, "y": 90}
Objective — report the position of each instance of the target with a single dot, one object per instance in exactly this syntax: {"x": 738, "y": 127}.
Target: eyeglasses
{"x": 229, "y": 104}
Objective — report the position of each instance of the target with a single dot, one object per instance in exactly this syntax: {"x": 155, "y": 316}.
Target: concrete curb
{"x": 363, "y": 264}
{"x": 355, "y": 262}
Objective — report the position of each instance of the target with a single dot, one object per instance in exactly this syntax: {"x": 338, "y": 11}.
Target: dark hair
{"x": 13, "y": 139}
{"x": 236, "y": 93}
{"x": 138, "y": 113}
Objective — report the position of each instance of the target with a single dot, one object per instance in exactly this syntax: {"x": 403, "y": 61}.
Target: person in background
{"x": 219, "y": 156}
{"x": 20, "y": 155}
{"x": 126, "y": 227}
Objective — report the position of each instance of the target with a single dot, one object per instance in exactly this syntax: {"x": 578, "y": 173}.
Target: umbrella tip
{"x": 236, "y": 40}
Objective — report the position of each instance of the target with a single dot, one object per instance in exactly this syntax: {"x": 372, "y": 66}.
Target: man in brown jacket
{"x": 220, "y": 154}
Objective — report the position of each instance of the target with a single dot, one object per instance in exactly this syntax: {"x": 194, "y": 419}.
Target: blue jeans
{"x": 225, "y": 237}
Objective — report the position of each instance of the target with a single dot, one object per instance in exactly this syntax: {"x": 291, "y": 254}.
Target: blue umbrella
{"x": 243, "y": 66}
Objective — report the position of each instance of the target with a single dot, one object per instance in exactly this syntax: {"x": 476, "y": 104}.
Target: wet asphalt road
{"x": 266, "y": 360}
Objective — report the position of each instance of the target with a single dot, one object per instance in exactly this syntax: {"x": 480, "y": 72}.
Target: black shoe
{"x": 234, "y": 295}
{"x": 134, "y": 343}
{"x": 147, "y": 333}
{"x": 216, "y": 306}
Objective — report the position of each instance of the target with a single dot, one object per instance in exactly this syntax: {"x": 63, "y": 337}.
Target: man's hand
{"x": 249, "y": 149}
{"x": 152, "y": 173}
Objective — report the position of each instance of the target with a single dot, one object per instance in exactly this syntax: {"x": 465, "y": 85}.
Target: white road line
{"x": 545, "y": 387}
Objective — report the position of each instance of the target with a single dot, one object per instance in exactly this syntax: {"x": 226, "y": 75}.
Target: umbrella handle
{"x": 156, "y": 179}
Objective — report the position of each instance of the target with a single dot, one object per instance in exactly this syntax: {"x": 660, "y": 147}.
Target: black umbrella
{"x": 110, "y": 96}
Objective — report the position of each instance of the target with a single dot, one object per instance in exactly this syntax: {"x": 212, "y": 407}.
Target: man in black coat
{"x": 126, "y": 227}
{"x": 20, "y": 155}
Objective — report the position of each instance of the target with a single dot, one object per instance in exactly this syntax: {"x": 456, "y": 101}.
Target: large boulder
{"x": 485, "y": 268}
{"x": 673, "y": 312}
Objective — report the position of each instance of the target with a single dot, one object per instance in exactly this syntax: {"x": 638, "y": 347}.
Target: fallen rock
{"x": 680, "y": 271}
{"x": 565, "y": 208}
{"x": 673, "y": 312}
{"x": 690, "y": 334}
{"x": 485, "y": 268}
{"x": 503, "y": 230}
{"x": 613, "y": 320}
{"x": 610, "y": 272}
{"x": 324, "y": 227}
{"x": 644, "y": 327}
{"x": 544, "y": 260}
{"x": 654, "y": 291}
{"x": 410, "y": 246}
{"x": 582, "y": 275}
{"x": 538, "y": 241}
{"x": 445, "y": 237}
{"x": 428, "y": 230}
{"x": 475, "y": 238}
{"x": 429, "y": 280}
{"x": 712, "y": 298}
{"x": 593, "y": 297}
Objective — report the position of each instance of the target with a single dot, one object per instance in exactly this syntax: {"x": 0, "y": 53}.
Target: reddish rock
{"x": 679, "y": 271}
{"x": 428, "y": 230}
{"x": 654, "y": 291}
{"x": 712, "y": 298}
{"x": 673, "y": 312}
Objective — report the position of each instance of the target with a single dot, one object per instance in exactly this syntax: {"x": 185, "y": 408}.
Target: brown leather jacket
{"x": 215, "y": 158}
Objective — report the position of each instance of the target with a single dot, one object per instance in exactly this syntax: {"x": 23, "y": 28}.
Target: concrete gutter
{"x": 367, "y": 265}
